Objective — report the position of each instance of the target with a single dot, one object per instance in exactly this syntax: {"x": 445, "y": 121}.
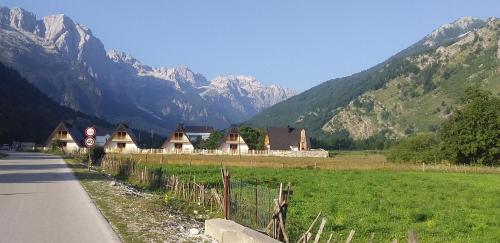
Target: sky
{"x": 297, "y": 44}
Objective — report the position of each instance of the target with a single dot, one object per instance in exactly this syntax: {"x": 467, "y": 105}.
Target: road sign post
{"x": 90, "y": 142}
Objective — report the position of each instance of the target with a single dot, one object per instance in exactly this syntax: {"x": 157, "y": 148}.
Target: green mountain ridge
{"x": 411, "y": 92}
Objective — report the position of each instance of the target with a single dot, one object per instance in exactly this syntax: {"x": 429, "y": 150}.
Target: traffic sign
{"x": 89, "y": 142}
{"x": 90, "y": 131}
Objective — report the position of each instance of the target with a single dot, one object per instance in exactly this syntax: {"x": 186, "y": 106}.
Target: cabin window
{"x": 64, "y": 144}
{"x": 178, "y": 146}
{"x": 121, "y": 135}
{"x": 178, "y": 136}
{"x": 233, "y": 146}
{"x": 233, "y": 137}
{"x": 120, "y": 145}
{"x": 62, "y": 134}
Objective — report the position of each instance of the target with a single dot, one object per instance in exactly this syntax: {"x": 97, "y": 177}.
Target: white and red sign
{"x": 89, "y": 142}
{"x": 90, "y": 132}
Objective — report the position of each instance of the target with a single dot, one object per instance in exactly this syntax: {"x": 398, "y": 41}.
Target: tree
{"x": 213, "y": 141}
{"x": 472, "y": 134}
{"x": 253, "y": 137}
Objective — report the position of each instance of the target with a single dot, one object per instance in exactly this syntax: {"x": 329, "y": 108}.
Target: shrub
{"x": 418, "y": 148}
{"x": 96, "y": 154}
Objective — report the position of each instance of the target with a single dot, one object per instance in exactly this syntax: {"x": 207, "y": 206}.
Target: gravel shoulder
{"x": 137, "y": 216}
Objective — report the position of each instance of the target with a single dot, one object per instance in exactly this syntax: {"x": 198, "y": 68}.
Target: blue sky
{"x": 298, "y": 44}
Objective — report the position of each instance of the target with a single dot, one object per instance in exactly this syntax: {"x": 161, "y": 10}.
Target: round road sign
{"x": 89, "y": 141}
{"x": 90, "y": 131}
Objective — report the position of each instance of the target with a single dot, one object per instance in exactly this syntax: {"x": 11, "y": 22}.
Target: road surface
{"x": 42, "y": 201}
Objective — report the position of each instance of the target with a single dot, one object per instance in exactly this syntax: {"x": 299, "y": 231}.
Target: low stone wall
{"x": 227, "y": 231}
{"x": 308, "y": 153}
{"x": 314, "y": 153}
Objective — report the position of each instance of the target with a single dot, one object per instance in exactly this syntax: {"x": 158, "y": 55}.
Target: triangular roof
{"x": 233, "y": 130}
{"x": 73, "y": 131}
{"x": 281, "y": 138}
{"x": 179, "y": 128}
{"x": 123, "y": 128}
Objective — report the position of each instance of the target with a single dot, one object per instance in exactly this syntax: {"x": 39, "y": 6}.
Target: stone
{"x": 194, "y": 231}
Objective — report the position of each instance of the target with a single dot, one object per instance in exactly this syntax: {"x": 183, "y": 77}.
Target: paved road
{"x": 42, "y": 201}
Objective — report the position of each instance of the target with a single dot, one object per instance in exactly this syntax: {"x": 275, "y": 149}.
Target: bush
{"x": 56, "y": 145}
{"x": 96, "y": 154}
{"x": 419, "y": 148}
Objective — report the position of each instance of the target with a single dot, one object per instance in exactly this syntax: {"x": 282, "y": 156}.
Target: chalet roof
{"x": 232, "y": 130}
{"x": 198, "y": 129}
{"x": 123, "y": 128}
{"x": 75, "y": 132}
{"x": 281, "y": 138}
{"x": 179, "y": 128}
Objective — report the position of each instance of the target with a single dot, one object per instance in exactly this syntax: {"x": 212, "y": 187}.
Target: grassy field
{"x": 343, "y": 160}
{"x": 439, "y": 206}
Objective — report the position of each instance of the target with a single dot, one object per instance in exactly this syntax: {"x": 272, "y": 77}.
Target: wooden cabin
{"x": 178, "y": 141}
{"x": 233, "y": 143}
{"x": 123, "y": 140}
{"x": 69, "y": 137}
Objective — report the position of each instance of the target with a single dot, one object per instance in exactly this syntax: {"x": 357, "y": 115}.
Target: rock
{"x": 194, "y": 231}
{"x": 195, "y": 212}
{"x": 112, "y": 183}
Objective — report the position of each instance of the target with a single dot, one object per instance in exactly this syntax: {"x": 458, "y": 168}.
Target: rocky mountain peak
{"x": 453, "y": 30}
{"x": 126, "y": 59}
{"x": 181, "y": 74}
{"x": 18, "y": 18}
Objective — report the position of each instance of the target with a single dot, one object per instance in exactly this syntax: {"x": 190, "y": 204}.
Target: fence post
{"x": 256, "y": 204}
{"x": 227, "y": 194}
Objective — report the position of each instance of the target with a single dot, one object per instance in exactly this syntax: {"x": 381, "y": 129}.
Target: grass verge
{"x": 136, "y": 216}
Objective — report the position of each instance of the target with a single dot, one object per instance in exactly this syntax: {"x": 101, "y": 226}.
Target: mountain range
{"x": 65, "y": 61}
{"x": 411, "y": 92}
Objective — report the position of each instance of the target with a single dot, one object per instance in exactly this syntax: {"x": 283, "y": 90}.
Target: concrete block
{"x": 227, "y": 231}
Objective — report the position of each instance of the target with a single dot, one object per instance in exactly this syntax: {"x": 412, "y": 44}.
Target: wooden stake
{"x": 349, "y": 238}
{"x": 309, "y": 229}
{"x": 329, "y": 238}
{"x": 320, "y": 230}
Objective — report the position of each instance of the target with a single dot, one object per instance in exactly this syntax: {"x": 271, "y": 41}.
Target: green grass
{"x": 440, "y": 207}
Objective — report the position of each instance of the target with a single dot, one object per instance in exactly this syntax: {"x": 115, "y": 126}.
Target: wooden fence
{"x": 258, "y": 207}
